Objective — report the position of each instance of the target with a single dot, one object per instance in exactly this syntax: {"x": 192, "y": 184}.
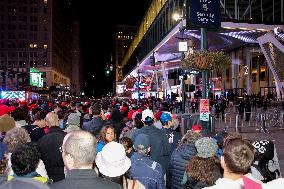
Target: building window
{"x": 22, "y": 45}
{"x": 11, "y": 36}
{"x": 45, "y": 1}
{"x": 33, "y": 27}
{"x": 22, "y": 27}
{"x": 11, "y": 27}
{"x": 11, "y": 45}
{"x": 33, "y": 19}
{"x": 45, "y": 46}
{"x": 23, "y": 18}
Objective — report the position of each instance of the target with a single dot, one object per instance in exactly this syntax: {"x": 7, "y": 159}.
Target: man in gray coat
{"x": 78, "y": 152}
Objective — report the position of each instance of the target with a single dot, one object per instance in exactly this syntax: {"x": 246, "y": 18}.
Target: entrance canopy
{"x": 230, "y": 36}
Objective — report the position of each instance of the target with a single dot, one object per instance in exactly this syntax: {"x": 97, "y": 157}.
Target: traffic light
{"x": 107, "y": 71}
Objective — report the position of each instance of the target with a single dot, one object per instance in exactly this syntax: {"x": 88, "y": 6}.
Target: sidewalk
{"x": 251, "y": 131}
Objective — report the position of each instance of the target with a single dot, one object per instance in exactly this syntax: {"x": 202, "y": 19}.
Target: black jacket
{"x": 50, "y": 154}
{"x": 179, "y": 159}
{"x": 84, "y": 179}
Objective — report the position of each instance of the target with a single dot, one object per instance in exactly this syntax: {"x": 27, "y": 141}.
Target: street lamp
{"x": 176, "y": 16}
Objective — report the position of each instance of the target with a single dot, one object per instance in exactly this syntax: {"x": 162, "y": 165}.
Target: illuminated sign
{"x": 204, "y": 109}
{"x": 203, "y": 14}
{"x": 182, "y": 46}
{"x": 120, "y": 89}
{"x": 36, "y": 78}
{"x": 13, "y": 94}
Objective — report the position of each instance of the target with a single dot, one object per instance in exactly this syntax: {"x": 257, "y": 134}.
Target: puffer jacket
{"x": 179, "y": 160}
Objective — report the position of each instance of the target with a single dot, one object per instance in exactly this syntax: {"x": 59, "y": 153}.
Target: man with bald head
{"x": 78, "y": 153}
{"x": 49, "y": 148}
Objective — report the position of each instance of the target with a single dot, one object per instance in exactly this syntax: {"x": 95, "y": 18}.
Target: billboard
{"x": 36, "y": 78}
{"x": 13, "y": 94}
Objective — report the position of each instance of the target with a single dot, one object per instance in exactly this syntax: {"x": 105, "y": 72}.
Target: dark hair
{"x": 238, "y": 154}
{"x": 116, "y": 115}
{"x": 35, "y": 110}
{"x": 102, "y": 136}
{"x": 126, "y": 142}
{"x": 138, "y": 122}
{"x": 202, "y": 169}
{"x": 40, "y": 115}
{"x": 25, "y": 159}
{"x": 72, "y": 104}
{"x": 96, "y": 109}
{"x": 19, "y": 114}
{"x": 62, "y": 113}
{"x": 148, "y": 121}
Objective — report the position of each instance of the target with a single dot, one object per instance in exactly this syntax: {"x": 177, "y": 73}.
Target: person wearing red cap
{"x": 196, "y": 128}
{"x": 6, "y": 109}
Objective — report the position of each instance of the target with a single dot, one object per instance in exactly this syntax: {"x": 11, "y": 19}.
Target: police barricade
{"x": 248, "y": 119}
{"x": 187, "y": 120}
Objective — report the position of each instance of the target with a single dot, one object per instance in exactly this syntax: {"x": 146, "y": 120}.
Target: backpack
{"x": 263, "y": 169}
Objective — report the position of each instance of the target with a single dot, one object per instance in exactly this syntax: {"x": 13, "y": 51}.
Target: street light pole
{"x": 205, "y": 74}
{"x": 138, "y": 84}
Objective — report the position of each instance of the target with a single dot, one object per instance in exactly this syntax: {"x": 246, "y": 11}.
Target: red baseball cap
{"x": 6, "y": 109}
{"x": 195, "y": 128}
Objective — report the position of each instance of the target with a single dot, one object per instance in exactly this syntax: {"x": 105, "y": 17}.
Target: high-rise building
{"x": 77, "y": 76}
{"x": 123, "y": 38}
{"x": 36, "y": 34}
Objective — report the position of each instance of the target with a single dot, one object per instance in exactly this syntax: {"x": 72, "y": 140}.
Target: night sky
{"x": 97, "y": 36}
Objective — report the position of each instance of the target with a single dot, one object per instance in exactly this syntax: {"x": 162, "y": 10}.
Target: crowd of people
{"x": 124, "y": 143}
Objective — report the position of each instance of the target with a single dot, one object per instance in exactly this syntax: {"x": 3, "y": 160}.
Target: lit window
{"x": 35, "y": 45}
{"x": 45, "y": 46}
{"x": 45, "y": 1}
{"x": 31, "y": 45}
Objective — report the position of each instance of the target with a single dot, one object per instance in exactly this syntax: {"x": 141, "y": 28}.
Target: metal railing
{"x": 189, "y": 119}
{"x": 263, "y": 121}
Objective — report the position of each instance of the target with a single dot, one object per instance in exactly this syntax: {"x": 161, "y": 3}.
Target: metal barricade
{"x": 237, "y": 124}
{"x": 188, "y": 120}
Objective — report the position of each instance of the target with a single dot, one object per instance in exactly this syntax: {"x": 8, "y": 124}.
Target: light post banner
{"x": 204, "y": 109}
